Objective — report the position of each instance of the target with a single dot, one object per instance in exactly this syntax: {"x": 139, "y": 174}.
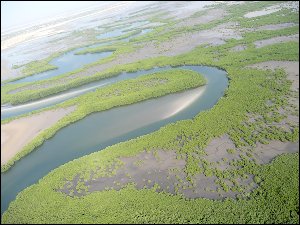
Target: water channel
{"x": 106, "y": 128}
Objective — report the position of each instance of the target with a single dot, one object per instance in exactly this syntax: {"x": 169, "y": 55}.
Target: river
{"x": 106, "y": 128}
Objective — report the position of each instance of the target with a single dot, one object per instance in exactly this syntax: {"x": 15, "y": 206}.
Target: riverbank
{"x": 18, "y": 133}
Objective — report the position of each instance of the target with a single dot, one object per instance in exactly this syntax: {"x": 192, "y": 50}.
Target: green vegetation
{"x": 121, "y": 93}
{"x": 280, "y": 205}
{"x": 39, "y": 66}
{"x": 202, "y": 55}
{"x": 10, "y": 93}
{"x": 116, "y": 49}
{"x": 16, "y": 66}
{"x": 275, "y": 200}
{"x": 231, "y": 151}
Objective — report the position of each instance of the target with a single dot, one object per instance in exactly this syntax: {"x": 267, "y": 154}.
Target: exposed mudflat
{"x": 184, "y": 10}
{"x": 158, "y": 168}
{"x": 275, "y": 40}
{"x": 266, "y": 153}
{"x": 209, "y": 16}
{"x": 293, "y": 5}
{"x": 263, "y": 12}
{"x": 291, "y": 68}
{"x": 276, "y": 26}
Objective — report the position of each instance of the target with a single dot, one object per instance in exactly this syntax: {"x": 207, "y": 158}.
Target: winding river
{"x": 106, "y": 128}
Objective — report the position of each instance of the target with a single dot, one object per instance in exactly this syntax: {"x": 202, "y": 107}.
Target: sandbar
{"x": 17, "y": 133}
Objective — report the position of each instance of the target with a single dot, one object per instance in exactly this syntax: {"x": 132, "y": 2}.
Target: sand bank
{"x": 17, "y": 133}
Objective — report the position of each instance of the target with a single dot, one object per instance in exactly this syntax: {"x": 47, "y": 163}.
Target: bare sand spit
{"x": 17, "y": 133}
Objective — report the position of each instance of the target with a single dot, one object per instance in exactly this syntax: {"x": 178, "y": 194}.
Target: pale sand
{"x": 28, "y": 36}
{"x": 266, "y": 153}
{"x": 276, "y": 26}
{"x": 183, "y": 101}
{"x": 233, "y": 2}
{"x": 51, "y": 100}
{"x": 181, "y": 10}
{"x": 17, "y": 133}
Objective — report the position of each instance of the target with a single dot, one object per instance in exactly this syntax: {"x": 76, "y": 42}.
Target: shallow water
{"x": 114, "y": 33}
{"x": 65, "y": 63}
{"x": 70, "y": 61}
